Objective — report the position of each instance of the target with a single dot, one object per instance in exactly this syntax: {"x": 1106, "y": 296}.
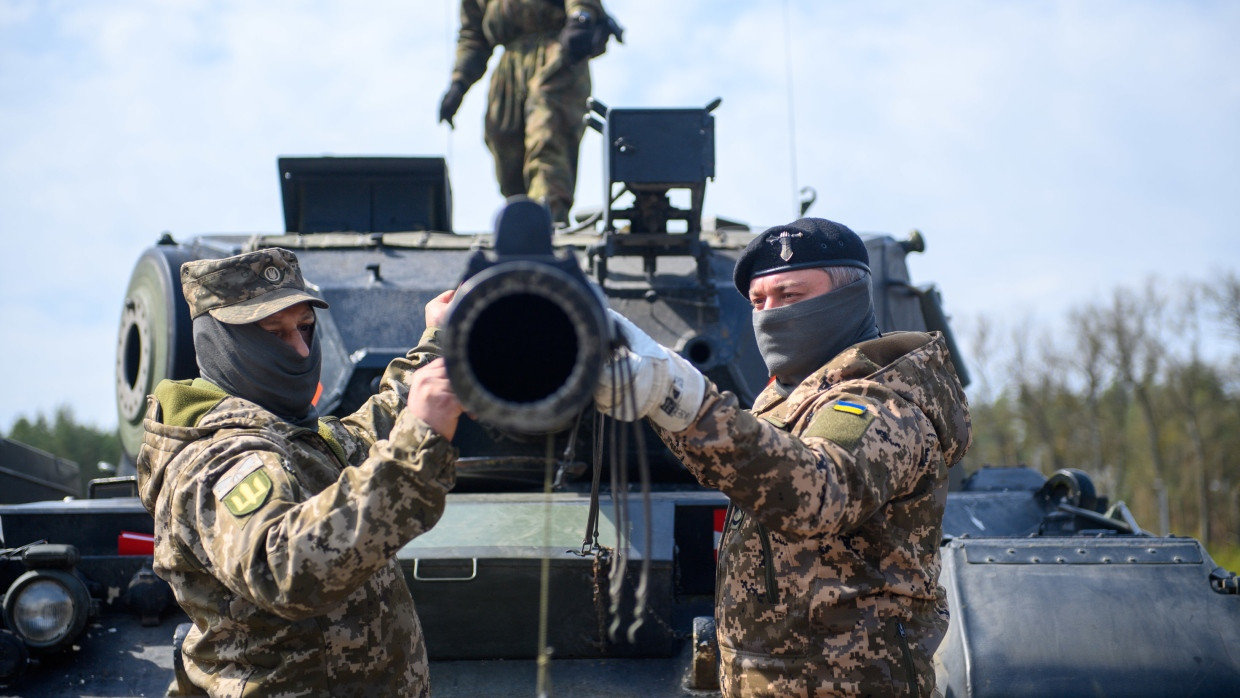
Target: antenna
{"x": 792, "y": 120}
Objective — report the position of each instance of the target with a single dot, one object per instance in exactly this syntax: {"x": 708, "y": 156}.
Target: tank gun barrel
{"x": 526, "y": 334}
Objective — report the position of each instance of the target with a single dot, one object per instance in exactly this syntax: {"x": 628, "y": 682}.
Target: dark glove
{"x": 451, "y": 102}
{"x": 578, "y": 39}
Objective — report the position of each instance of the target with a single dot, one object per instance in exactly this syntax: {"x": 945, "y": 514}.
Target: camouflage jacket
{"x": 280, "y": 541}
{"x": 486, "y": 24}
{"x": 829, "y": 559}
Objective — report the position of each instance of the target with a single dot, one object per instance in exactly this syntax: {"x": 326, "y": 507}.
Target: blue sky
{"x": 1049, "y": 151}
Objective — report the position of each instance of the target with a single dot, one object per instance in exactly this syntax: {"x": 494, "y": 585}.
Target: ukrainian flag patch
{"x": 845, "y": 423}
{"x": 849, "y": 407}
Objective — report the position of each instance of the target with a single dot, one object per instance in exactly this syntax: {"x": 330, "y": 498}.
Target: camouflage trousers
{"x": 534, "y": 121}
{"x": 856, "y": 652}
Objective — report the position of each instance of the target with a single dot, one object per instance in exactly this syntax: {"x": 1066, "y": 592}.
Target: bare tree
{"x": 1224, "y": 295}
{"x": 994, "y": 441}
{"x": 1045, "y": 400}
{"x": 1136, "y": 356}
{"x": 1187, "y": 385}
{"x": 1086, "y": 327}
{"x": 981, "y": 355}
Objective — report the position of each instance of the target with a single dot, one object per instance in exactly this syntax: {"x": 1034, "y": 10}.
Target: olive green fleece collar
{"x": 184, "y": 402}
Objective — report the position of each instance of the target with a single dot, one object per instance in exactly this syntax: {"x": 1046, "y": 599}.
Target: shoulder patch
{"x": 245, "y": 488}
{"x": 842, "y": 422}
{"x": 249, "y": 494}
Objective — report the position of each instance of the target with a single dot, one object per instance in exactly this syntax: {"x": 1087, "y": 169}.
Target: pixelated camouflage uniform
{"x": 301, "y": 596}
{"x": 536, "y": 103}
{"x": 829, "y": 559}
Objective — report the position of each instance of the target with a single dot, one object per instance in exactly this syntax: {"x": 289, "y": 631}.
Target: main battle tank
{"x": 569, "y": 538}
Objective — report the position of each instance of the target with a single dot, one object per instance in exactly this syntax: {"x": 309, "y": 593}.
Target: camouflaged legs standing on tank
{"x": 277, "y": 528}
{"x": 538, "y": 89}
{"x": 829, "y": 559}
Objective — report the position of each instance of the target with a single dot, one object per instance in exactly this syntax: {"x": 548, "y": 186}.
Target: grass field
{"x": 1226, "y": 556}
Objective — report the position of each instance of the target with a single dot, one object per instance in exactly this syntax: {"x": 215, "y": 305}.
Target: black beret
{"x": 802, "y": 244}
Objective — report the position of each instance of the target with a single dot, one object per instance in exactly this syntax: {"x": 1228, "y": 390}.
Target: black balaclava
{"x": 796, "y": 340}
{"x": 251, "y": 363}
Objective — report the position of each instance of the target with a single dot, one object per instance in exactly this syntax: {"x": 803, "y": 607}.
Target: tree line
{"x": 1140, "y": 389}
{"x": 62, "y": 435}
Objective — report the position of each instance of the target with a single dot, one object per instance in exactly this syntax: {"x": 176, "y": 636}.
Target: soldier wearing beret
{"x": 837, "y": 476}
{"x": 277, "y": 528}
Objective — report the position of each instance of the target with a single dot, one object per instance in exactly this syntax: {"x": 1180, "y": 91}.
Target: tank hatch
{"x": 365, "y": 194}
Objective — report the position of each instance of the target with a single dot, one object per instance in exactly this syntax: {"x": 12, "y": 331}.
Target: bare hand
{"x": 431, "y": 398}
{"x": 437, "y": 308}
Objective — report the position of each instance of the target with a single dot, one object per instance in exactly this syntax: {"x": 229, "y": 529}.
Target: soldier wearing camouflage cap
{"x": 837, "y": 476}
{"x": 277, "y": 528}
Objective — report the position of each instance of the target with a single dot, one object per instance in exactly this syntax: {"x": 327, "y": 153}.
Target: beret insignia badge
{"x": 785, "y": 242}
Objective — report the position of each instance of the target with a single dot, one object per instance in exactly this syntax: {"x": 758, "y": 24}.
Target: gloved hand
{"x": 646, "y": 379}
{"x": 577, "y": 38}
{"x": 451, "y": 102}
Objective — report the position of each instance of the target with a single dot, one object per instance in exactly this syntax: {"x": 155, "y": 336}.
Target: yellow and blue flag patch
{"x": 849, "y": 407}
{"x": 845, "y": 423}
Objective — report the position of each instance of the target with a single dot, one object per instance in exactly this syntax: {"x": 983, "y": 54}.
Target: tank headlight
{"x": 47, "y": 609}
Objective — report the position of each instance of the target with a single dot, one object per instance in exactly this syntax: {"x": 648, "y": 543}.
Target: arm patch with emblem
{"x": 245, "y": 488}
{"x": 843, "y": 422}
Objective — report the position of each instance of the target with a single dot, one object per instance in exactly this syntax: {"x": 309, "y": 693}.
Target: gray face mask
{"x": 251, "y": 363}
{"x": 796, "y": 340}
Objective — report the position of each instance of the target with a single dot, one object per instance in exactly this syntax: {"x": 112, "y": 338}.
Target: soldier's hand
{"x": 451, "y": 102}
{"x": 577, "y": 39}
{"x": 437, "y": 308}
{"x": 431, "y": 399}
{"x": 646, "y": 379}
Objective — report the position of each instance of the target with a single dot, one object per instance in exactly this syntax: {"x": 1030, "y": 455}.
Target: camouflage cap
{"x": 245, "y": 288}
